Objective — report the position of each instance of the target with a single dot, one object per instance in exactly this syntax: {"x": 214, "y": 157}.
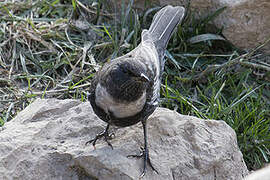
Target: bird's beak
{"x": 144, "y": 78}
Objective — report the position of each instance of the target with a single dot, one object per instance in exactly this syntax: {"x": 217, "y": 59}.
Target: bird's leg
{"x": 104, "y": 134}
{"x": 144, "y": 152}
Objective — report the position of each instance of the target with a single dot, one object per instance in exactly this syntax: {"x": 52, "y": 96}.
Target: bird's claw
{"x": 104, "y": 134}
{"x": 145, "y": 155}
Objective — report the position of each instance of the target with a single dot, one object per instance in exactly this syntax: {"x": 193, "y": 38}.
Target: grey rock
{"x": 246, "y": 22}
{"x": 47, "y": 141}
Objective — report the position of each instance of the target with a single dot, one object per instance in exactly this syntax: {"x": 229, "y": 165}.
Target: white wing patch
{"x": 120, "y": 110}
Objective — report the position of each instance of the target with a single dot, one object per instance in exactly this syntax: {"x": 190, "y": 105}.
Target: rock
{"x": 246, "y": 22}
{"x": 47, "y": 141}
{"x": 262, "y": 174}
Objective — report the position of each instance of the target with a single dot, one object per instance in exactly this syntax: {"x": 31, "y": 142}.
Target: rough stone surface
{"x": 246, "y": 22}
{"x": 47, "y": 141}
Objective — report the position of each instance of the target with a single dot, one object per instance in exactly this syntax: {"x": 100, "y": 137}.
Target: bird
{"x": 126, "y": 90}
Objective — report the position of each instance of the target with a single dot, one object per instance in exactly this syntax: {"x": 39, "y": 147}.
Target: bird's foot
{"x": 145, "y": 155}
{"x": 104, "y": 134}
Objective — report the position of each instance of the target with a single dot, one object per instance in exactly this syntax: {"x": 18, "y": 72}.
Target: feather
{"x": 162, "y": 27}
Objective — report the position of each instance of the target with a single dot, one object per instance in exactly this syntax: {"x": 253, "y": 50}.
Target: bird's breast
{"x": 120, "y": 109}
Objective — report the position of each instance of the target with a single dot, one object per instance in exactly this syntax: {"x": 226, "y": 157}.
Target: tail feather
{"x": 163, "y": 24}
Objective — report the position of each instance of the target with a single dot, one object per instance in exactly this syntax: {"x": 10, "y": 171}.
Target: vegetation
{"x": 52, "y": 48}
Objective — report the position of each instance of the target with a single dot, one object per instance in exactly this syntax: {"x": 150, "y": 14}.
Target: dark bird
{"x": 126, "y": 90}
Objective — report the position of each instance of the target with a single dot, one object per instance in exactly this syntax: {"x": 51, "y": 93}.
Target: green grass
{"x": 53, "y": 48}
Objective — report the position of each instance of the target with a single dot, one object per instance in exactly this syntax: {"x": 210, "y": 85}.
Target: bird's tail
{"x": 163, "y": 24}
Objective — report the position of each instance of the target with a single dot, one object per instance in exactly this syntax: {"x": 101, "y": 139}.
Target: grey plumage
{"x": 161, "y": 29}
{"x": 126, "y": 90}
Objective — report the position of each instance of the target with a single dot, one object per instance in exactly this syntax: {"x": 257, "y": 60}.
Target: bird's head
{"x": 127, "y": 80}
{"x": 133, "y": 71}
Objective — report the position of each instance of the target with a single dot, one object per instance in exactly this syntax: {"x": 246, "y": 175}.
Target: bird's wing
{"x": 147, "y": 54}
{"x": 154, "y": 43}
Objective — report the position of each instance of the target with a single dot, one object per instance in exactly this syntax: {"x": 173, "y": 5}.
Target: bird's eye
{"x": 131, "y": 73}
{"x": 127, "y": 71}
